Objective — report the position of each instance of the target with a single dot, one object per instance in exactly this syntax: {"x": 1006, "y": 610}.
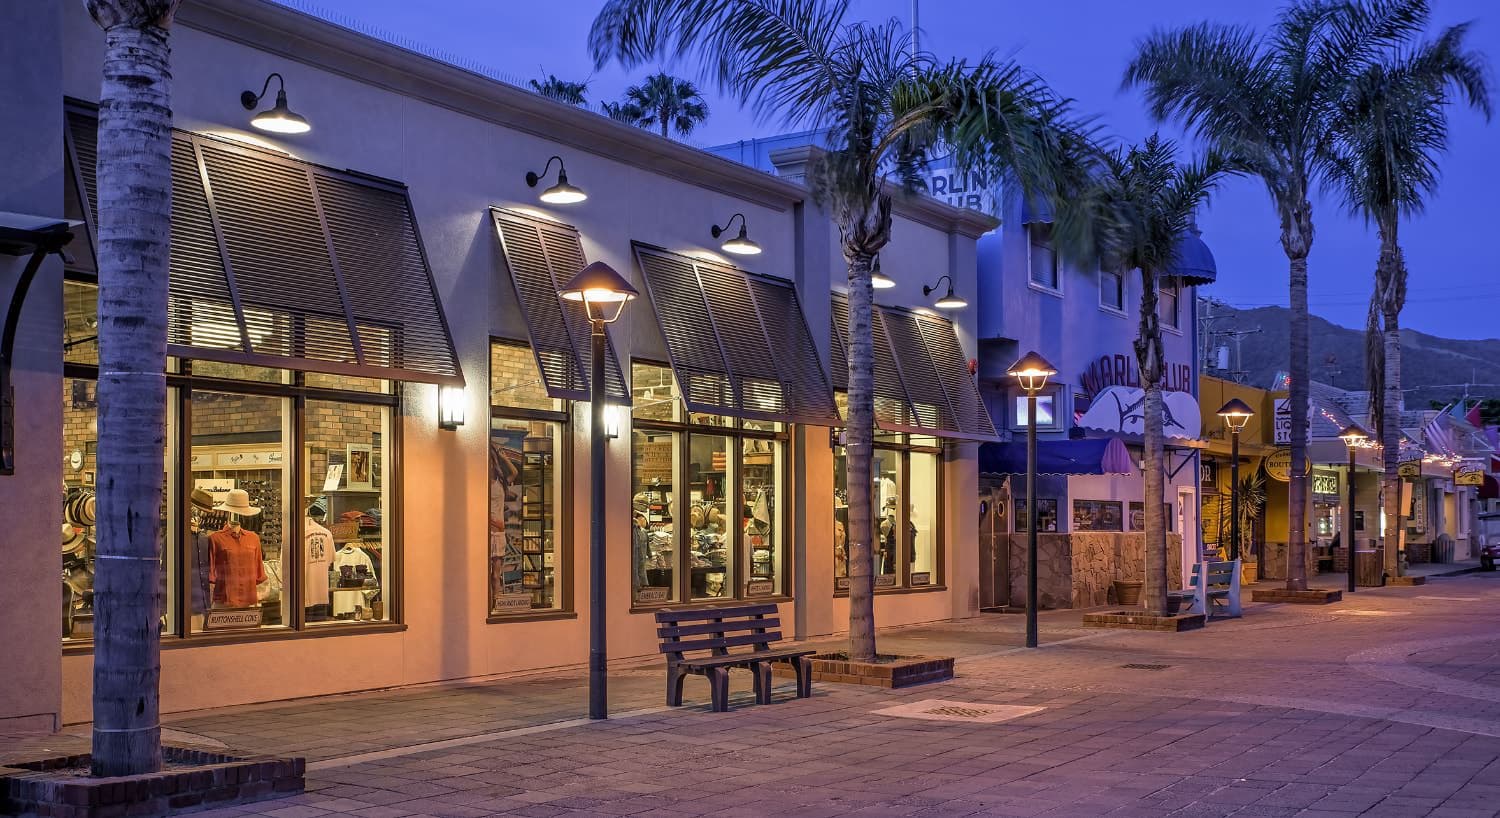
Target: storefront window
{"x": 80, "y": 512}
{"x": 347, "y": 565}
{"x": 706, "y": 499}
{"x": 528, "y": 450}
{"x": 1046, "y": 515}
{"x": 239, "y": 460}
{"x": 1098, "y": 515}
{"x": 908, "y": 526}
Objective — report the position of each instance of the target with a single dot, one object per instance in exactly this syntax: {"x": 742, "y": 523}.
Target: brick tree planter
{"x": 190, "y": 779}
{"x": 891, "y": 671}
{"x": 1141, "y": 621}
{"x": 1311, "y": 596}
{"x": 1407, "y": 581}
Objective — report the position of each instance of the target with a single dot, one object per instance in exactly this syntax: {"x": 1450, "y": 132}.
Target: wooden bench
{"x": 713, "y": 631}
{"x": 1212, "y": 583}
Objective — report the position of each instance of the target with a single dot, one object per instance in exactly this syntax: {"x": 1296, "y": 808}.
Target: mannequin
{"x": 318, "y": 549}
{"x": 236, "y": 564}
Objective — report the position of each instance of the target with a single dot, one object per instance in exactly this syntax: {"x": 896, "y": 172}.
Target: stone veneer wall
{"x": 1078, "y": 570}
{"x": 1273, "y": 560}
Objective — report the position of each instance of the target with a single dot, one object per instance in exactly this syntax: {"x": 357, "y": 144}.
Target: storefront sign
{"x": 1279, "y": 465}
{"x": 1122, "y": 409}
{"x": 1283, "y": 422}
{"x": 1323, "y": 482}
{"x": 841, "y": 584}
{"x": 649, "y": 595}
{"x": 921, "y": 578}
{"x": 228, "y": 619}
{"x": 249, "y": 459}
{"x": 1120, "y": 370}
{"x": 1469, "y": 475}
{"x": 1411, "y": 469}
{"x": 885, "y": 581}
{"x": 511, "y": 603}
{"x": 760, "y": 587}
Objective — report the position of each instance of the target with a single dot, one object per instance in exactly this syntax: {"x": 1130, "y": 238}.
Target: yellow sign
{"x": 1411, "y": 468}
{"x": 1279, "y": 465}
{"x": 1469, "y": 476}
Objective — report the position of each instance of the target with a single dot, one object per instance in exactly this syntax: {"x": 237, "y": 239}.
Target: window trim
{"x": 1175, "y": 325}
{"x": 1013, "y": 414}
{"x": 1057, "y": 268}
{"x": 297, "y": 393}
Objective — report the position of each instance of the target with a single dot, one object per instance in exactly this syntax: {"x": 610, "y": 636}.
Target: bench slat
{"x": 706, "y": 614}
{"x": 673, "y": 631}
{"x": 734, "y": 659}
{"x": 679, "y": 646}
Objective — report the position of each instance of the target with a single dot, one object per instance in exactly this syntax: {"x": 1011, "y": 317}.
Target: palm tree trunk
{"x": 1296, "y": 239}
{"x": 1149, "y": 353}
{"x": 661, "y": 117}
{"x": 859, "y": 438}
{"x": 1390, "y": 432}
{"x": 135, "y": 198}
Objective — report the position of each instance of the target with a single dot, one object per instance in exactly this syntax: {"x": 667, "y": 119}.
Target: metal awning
{"x": 922, "y": 379}
{"x": 283, "y": 263}
{"x": 1106, "y": 455}
{"x": 542, "y": 257}
{"x": 739, "y": 342}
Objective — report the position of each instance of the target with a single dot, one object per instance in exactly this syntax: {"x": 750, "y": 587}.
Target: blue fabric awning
{"x": 1036, "y": 211}
{"x": 1090, "y": 456}
{"x": 1195, "y": 262}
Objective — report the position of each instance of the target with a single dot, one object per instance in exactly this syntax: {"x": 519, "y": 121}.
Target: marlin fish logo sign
{"x": 1134, "y": 413}
{"x": 1122, "y": 409}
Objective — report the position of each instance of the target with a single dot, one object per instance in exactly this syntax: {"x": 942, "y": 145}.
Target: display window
{"x": 278, "y": 498}
{"x": 706, "y": 499}
{"x": 528, "y": 519}
{"x": 1098, "y": 515}
{"x": 906, "y": 501}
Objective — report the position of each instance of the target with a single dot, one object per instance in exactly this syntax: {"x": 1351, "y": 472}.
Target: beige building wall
{"x": 463, "y": 144}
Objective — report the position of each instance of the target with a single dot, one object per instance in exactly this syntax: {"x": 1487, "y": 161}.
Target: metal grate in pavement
{"x": 1360, "y": 612}
{"x": 1141, "y": 666}
{"x": 942, "y": 710}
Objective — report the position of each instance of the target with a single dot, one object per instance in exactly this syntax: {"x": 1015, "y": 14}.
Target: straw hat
{"x": 72, "y": 539}
{"x": 238, "y": 502}
{"x": 201, "y": 500}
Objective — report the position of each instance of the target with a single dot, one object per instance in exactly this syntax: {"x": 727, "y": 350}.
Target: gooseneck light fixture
{"x": 278, "y": 118}
{"x": 1353, "y": 438}
{"x": 740, "y": 245}
{"x": 879, "y": 280}
{"x": 1236, "y": 414}
{"x": 1031, "y": 372}
{"x": 560, "y": 193}
{"x": 604, "y": 293}
{"x": 949, "y": 301}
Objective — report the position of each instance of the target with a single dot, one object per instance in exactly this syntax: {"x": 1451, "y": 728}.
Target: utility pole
{"x": 916, "y": 29}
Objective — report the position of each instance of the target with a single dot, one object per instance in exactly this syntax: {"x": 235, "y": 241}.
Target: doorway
{"x": 994, "y": 544}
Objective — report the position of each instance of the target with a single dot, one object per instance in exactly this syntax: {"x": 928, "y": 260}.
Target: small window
{"x": 1046, "y": 412}
{"x": 1169, "y": 306}
{"x": 1111, "y": 290}
{"x": 1098, "y": 515}
{"x": 1044, "y": 272}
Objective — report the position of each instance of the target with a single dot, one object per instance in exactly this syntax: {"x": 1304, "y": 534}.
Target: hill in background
{"x": 1435, "y": 368}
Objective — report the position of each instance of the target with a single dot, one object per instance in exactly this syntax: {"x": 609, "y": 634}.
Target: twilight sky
{"x": 1080, "y": 47}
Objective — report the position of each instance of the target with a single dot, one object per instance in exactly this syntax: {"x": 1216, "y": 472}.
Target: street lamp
{"x": 1236, "y": 414}
{"x": 1031, "y": 372}
{"x": 603, "y": 293}
{"x": 1353, "y": 437}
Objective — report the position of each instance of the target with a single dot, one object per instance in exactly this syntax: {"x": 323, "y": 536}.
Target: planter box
{"x": 190, "y": 780}
{"x": 1408, "y": 581}
{"x": 1311, "y": 596}
{"x": 1141, "y": 621}
{"x": 894, "y": 672}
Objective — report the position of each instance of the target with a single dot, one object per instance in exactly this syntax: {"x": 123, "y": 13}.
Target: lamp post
{"x": 1236, "y": 414}
{"x": 1352, "y": 437}
{"x": 603, "y": 293}
{"x": 1031, "y": 372}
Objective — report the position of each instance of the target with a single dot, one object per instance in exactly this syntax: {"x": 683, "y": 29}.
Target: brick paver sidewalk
{"x": 1385, "y": 704}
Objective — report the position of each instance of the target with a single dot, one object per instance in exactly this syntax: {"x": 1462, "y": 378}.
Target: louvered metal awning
{"x": 922, "y": 381}
{"x": 543, "y": 256}
{"x": 739, "y": 342}
{"x": 282, "y": 263}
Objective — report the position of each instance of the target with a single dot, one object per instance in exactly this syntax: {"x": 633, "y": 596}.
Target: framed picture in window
{"x": 1046, "y": 515}
{"x": 1098, "y": 515}
{"x": 359, "y": 467}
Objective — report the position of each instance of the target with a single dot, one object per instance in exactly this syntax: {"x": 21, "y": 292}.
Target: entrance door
{"x": 1187, "y": 526}
{"x": 994, "y": 545}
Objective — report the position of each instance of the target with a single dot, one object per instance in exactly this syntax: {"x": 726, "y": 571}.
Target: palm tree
{"x": 666, "y": 102}
{"x": 1393, "y": 126}
{"x": 135, "y": 212}
{"x": 1271, "y": 102}
{"x": 624, "y": 111}
{"x": 1144, "y": 205}
{"x": 886, "y": 109}
{"x": 568, "y": 93}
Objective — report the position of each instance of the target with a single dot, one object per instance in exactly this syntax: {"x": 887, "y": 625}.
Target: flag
{"x": 1438, "y": 438}
{"x": 1474, "y": 418}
